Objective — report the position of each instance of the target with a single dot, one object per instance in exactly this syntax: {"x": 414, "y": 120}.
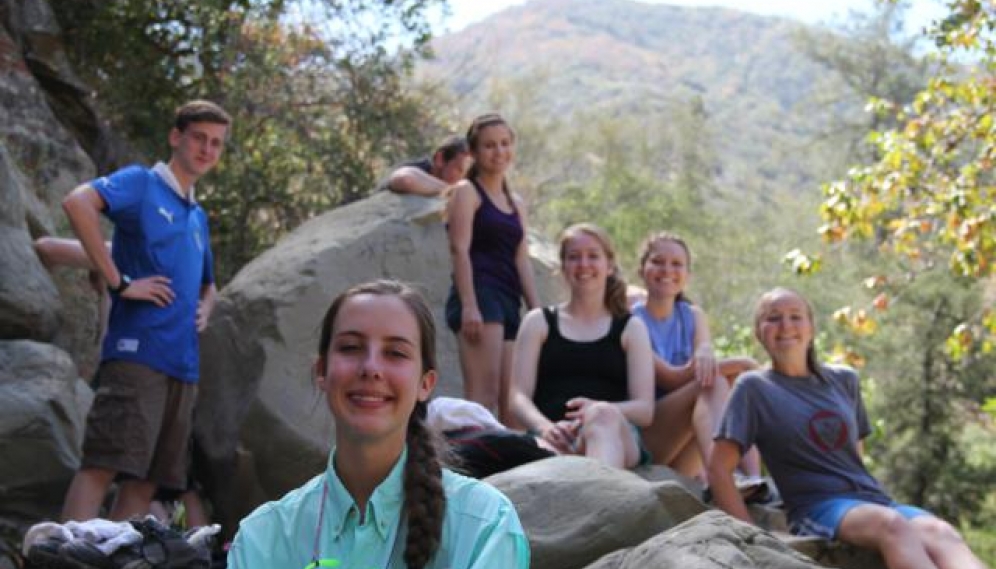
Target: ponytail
{"x": 615, "y": 294}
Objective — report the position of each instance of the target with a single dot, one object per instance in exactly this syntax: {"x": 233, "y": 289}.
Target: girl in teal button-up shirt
{"x": 384, "y": 501}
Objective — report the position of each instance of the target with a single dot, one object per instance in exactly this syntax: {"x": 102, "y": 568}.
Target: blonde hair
{"x": 615, "y": 285}
{"x": 762, "y": 307}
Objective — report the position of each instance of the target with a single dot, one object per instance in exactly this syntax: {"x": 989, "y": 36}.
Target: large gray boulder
{"x": 711, "y": 540}
{"x": 256, "y": 379}
{"x": 40, "y": 161}
{"x": 43, "y": 406}
{"x": 576, "y": 509}
{"x": 29, "y": 301}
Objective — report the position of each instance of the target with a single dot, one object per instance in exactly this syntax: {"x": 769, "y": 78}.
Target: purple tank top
{"x": 492, "y": 247}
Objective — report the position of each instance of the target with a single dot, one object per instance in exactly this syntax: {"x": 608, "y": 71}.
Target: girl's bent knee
{"x": 602, "y": 414}
{"x": 936, "y": 530}
{"x": 897, "y": 529}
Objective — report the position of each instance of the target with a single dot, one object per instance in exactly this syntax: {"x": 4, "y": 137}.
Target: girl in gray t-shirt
{"x": 808, "y": 420}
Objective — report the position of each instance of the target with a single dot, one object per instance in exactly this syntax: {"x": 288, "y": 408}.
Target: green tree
{"x": 928, "y": 196}
{"x": 921, "y": 207}
{"x": 315, "y": 88}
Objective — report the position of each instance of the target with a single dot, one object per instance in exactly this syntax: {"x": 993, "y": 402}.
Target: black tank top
{"x": 568, "y": 369}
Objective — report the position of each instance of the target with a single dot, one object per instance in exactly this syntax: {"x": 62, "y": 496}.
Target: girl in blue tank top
{"x": 692, "y": 386}
{"x": 492, "y": 272}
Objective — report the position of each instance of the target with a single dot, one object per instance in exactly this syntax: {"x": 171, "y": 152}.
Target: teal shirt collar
{"x": 383, "y": 508}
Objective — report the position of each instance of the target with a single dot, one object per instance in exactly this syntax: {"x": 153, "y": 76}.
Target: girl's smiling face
{"x": 665, "y": 269}
{"x": 494, "y": 148}
{"x": 784, "y": 327}
{"x": 373, "y": 374}
{"x": 585, "y": 262}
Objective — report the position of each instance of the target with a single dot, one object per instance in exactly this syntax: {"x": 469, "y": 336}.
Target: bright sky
{"x": 466, "y": 12}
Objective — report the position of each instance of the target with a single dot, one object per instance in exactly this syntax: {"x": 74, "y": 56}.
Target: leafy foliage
{"x": 314, "y": 86}
{"x": 928, "y": 196}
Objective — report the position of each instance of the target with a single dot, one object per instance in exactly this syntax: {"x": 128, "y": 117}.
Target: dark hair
{"x": 647, "y": 249}
{"x": 425, "y": 501}
{"x": 200, "y": 111}
{"x": 451, "y": 147}
{"x": 615, "y": 286}
{"x": 761, "y": 308}
{"x": 473, "y": 134}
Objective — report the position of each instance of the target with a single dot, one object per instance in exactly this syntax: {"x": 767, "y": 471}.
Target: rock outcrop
{"x": 41, "y": 160}
{"x": 257, "y": 386}
{"x": 581, "y": 514}
{"x": 43, "y": 405}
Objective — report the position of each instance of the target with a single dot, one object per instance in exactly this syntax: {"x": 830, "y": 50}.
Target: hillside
{"x": 622, "y": 58}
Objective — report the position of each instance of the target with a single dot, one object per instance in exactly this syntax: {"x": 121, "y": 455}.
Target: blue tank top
{"x": 672, "y": 338}
{"x": 493, "y": 245}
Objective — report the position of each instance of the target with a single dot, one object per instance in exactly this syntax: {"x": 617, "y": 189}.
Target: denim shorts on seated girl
{"x": 496, "y": 306}
{"x": 823, "y": 518}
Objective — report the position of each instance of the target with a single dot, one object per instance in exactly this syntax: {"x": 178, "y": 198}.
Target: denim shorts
{"x": 496, "y": 306}
{"x": 823, "y": 518}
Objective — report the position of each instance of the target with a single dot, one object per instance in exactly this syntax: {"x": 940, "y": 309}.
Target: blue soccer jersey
{"x": 156, "y": 232}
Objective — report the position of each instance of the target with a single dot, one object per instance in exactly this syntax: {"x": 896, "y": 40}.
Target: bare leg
{"x": 481, "y": 365}
{"x": 671, "y": 429}
{"x": 505, "y": 414}
{"x": 944, "y": 544}
{"x": 885, "y": 530}
{"x": 158, "y": 509}
{"x": 134, "y": 499}
{"x": 688, "y": 462}
{"x": 86, "y": 494}
{"x": 608, "y": 436}
{"x": 196, "y": 514}
{"x": 708, "y": 411}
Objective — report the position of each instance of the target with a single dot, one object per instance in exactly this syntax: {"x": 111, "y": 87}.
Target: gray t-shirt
{"x": 807, "y": 431}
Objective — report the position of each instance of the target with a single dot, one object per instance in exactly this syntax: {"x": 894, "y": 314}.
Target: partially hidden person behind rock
{"x": 583, "y": 369}
{"x": 492, "y": 272}
{"x": 384, "y": 499}
{"x": 160, "y": 277}
{"x": 482, "y": 445}
{"x": 431, "y": 175}
{"x": 60, "y": 252}
{"x": 692, "y": 385}
{"x": 808, "y": 420}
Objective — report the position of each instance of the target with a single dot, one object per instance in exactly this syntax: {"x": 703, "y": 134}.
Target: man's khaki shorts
{"x": 140, "y": 424}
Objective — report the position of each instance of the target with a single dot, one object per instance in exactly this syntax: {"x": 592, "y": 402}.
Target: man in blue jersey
{"x": 161, "y": 282}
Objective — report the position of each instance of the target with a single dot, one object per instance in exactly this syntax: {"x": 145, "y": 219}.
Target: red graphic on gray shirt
{"x": 828, "y": 430}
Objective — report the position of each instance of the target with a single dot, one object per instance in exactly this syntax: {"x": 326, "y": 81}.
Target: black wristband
{"x": 122, "y": 285}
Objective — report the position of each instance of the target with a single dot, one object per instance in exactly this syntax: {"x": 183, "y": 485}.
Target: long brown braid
{"x": 425, "y": 500}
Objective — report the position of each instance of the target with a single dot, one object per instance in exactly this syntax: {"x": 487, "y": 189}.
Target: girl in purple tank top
{"x": 491, "y": 267}
{"x": 692, "y": 385}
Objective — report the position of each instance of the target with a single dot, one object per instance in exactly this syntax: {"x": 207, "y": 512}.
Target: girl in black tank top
{"x": 583, "y": 370}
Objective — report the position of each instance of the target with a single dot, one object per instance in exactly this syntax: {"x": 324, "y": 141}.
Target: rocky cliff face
{"x": 47, "y": 326}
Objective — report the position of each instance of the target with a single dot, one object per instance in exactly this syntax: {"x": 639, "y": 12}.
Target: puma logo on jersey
{"x": 167, "y": 214}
